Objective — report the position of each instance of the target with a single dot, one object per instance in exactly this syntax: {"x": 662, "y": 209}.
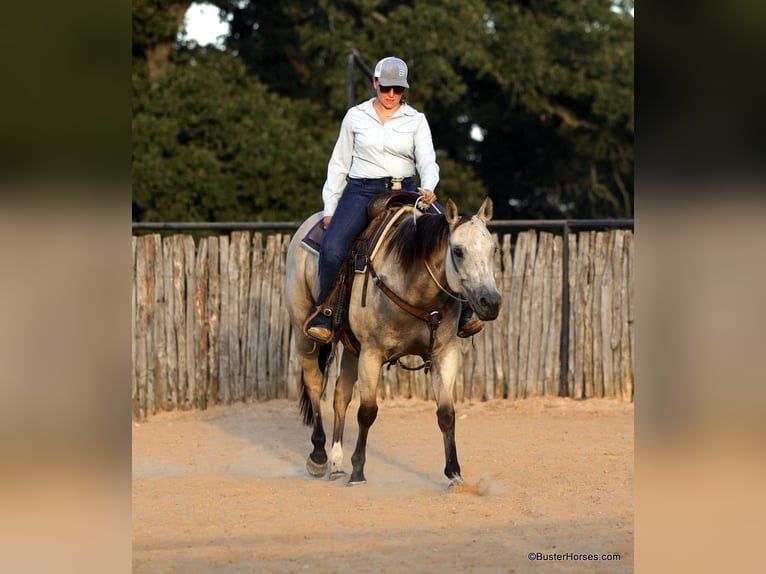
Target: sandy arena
{"x": 226, "y": 491}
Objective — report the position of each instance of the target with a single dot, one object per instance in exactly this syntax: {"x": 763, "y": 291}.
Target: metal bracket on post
{"x": 354, "y": 59}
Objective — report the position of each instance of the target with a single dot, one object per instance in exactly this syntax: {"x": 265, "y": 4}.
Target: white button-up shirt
{"x": 367, "y": 148}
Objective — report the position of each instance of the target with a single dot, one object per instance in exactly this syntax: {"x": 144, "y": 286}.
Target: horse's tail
{"x": 323, "y": 357}
{"x": 307, "y": 411}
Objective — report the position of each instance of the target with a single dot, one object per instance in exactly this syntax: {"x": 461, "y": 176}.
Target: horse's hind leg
{"x": 312, "y": 379}
{"x": 369, "y": 371}
{"x": 344, "y": 388}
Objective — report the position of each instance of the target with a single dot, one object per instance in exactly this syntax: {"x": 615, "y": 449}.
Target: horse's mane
{"x": 413, "y": 241}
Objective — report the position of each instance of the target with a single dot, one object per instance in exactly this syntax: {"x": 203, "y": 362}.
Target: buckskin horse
{"x": 421, "y": 271}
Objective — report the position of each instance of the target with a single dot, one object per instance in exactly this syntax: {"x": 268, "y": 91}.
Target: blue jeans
{"x": 348, "y": 221}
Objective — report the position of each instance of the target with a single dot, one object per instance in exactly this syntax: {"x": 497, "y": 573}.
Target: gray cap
{"x": 391, "y": 72}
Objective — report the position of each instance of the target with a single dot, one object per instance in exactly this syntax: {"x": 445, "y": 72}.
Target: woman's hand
{"x": 428, "y": 196}
{"x": 326, "y": 221}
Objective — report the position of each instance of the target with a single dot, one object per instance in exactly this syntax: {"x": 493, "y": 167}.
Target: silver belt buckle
{"x": 396, "y": 183}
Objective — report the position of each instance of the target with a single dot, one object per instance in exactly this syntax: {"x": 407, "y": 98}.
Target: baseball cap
{"x": 391, "y": 72}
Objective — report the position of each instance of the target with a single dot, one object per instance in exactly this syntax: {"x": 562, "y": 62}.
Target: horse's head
{"x": 470, "y": 261}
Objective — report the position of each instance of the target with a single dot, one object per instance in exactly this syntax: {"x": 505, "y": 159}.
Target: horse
{"x": 421, "y": 271}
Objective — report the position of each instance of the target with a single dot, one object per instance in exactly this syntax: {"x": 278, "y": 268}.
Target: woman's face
{"x": 388, "y": 96}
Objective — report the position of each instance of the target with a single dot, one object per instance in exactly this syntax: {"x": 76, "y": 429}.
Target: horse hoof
{"x": 316, "y": 470}
{"x": 356, "y": 481}
{"x": 456, "y": 481}
{"x": 336, "y": 474}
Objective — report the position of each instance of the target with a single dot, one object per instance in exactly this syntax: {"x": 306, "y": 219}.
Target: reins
{"x": 439, "y": 285}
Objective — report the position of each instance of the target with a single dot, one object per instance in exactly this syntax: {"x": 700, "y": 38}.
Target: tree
{"x": 529, "y": 101}
{"x": 564, "y": 137}
{"x": 211, "y": 143}
{"x": 155, "y": 26}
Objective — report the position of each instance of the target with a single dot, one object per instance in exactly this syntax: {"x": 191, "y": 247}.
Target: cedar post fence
{"x": 210, "y": 327}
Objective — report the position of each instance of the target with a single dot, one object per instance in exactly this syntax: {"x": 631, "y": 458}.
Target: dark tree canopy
{"x": 530, "y": 102}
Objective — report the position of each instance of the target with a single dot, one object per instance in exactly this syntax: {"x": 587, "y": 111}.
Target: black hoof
{"x": 356, "y": 478}
{"x": 316, "y": 470}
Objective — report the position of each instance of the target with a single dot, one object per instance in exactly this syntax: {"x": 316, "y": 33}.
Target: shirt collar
{"x": 405, "y": 109}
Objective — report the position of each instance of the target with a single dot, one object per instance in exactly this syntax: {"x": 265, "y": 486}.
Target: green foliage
{"x": 211, "y": 143}
{"x": 565, "y": 137}
{"x": 246, "y": 134}
{"x": 156, "y": 21}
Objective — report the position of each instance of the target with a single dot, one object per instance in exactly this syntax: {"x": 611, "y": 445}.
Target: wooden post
{"x": 159, "y": 317}
{"x": 284, "y": 320}
{"x": 514, "y": 322}
{"x": 524, "y": 326}
{"x": 179, "y": 319}
{"x": 201, "y": 324}
{"x": 552, "y": 366}
{"x": 134, "y": 410}
{"x": 598, "y": 355}
{"x": 171, "y": 336}
{"x": 615, "y": 332}
{"x": 189, "y": 316}
{"x": 142, "y": 324}
{"x": 265, "y": 350}
{"x": 213, "y": 316}
{"x": 573, "y": 326}
{"x": 545, "y": 310}
{"x": 224, "y": 358}
{"x": 538, "y": 270}
{"x": 253, "y": 317}
{"x": 628, "y": 317}
{"x": 505, "y": 315}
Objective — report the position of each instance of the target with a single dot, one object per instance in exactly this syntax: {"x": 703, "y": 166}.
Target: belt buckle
{"x": 396, "y": 183}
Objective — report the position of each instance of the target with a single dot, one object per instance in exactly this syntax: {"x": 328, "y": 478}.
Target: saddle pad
{"x": 313, "y": 239}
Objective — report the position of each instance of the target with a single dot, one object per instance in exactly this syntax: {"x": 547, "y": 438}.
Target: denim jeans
{"x": 348, "y": 221}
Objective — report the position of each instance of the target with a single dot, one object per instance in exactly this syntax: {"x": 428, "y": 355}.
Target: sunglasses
{"x": 398, "y": 90}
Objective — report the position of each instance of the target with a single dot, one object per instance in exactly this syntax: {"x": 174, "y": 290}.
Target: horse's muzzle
{"x": 486, "y": 305}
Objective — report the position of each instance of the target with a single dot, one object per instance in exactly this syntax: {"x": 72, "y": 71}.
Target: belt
{"x": 392, "y": 183}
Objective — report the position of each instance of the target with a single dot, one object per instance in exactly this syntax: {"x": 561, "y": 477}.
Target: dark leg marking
{"x": 445, "y": 414}
{"x": 366, "y": 416}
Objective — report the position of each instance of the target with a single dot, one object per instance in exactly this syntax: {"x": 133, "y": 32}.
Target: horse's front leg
{"x": 369, "y": 372}
{"x": 444, "y": 373}
{"x": 344, "y": 388}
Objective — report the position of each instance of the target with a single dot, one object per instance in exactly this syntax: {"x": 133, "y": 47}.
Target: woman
{"x": 381, "y": 143}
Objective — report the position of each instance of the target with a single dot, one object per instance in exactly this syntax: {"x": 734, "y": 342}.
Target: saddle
{"x": 384, "y": 213}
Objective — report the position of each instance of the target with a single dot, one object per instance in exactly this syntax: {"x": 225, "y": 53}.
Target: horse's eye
{"x": 457, "y": 252}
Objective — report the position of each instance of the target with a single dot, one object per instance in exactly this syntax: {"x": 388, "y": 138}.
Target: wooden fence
{"x": 210, "y": 327}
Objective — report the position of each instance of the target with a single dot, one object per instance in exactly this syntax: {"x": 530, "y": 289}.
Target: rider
{"x": 382, "y": 142}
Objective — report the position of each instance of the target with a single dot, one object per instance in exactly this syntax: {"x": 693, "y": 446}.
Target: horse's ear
{"x": 485, "y": 211}
{"x": 452, "y": 214}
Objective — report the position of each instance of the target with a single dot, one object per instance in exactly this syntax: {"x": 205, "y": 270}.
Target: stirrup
{"x": 321, "y": 335}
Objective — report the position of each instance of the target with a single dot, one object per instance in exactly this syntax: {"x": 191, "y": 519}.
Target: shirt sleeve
{"x": 425, "y": 156}
{"x": 337, "y": 168}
